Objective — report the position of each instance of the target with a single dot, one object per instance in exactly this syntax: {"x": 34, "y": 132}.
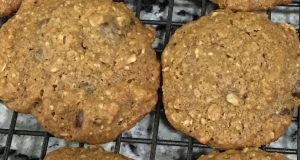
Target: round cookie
{"x": 250, "y": 5}
{"x": 230, "y": 79}
{"x": 85, "y": 69}
{"x": 245, "y": 154}
{"x": 9, "y": 6}
{"x": 98, "y": 153}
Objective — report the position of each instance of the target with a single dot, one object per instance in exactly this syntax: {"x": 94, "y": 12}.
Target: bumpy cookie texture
{"x": 250, "y": 5}
{"x": 98, "y": 153}
{"x": 230, "y": 79}
{"x": 245, "y": 154}
{"x": 9, "y": 6}
{"x": 85, "y": 69}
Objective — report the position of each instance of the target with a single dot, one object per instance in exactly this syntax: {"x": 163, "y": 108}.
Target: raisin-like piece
{"x": 296, "y": 89}
{"x": 79, "y": 119}
{"x": 285, "y": 112}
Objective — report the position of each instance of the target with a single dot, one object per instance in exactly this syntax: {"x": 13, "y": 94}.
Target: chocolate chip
{"x": 35, "y": 104}
{"x": 42, "y": 92}
{"x": 130, "y": 80}
{"x": 54, "y": 87}
{"x": 245, "y": 95}
{"x": 285, "y": 112}
{"x": 64, "y": 39}
{"x": 105, "y": 24}
{"x": 83, "y": 47}
{"x": 79, "y": 119}
{"x": 296, "y": 89}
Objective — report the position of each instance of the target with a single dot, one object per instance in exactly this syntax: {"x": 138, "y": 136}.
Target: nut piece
{"x": 64, "y": 134}
{"x": 234, "y": 99}
{"x": 268, "y": 90}
{"x": 197, "y": 93}
{"x": 214, "y": 112}
{"x": 203, "y": 121}
{"x": 3, "y": 63}
{"x": 210, "y": 53}
{"x": 3, "y": 67}
{"x": 272, "y": 135}
{"x": 131, "y": 59}
{"x": 165, "y": 69}
{"x": 54, "y": 70}
{"x": 95, "y": 20}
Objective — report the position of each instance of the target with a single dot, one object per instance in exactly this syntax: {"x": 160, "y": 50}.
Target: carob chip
{"x": 41, "y": 93}
{"x": 296, "y": 89}
{"x": 79, "y": 119}
{"x": 78, "y": 76}
{"x": 285, "y": 112}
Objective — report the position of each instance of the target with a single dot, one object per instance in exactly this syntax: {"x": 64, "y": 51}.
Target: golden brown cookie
{"x": 9, "y": 6}
{"x": 98, "y": 153}
{"x": 229, "y": 79}
{"x": 250, "y": 5}
{"x": 245, "y": 154}
{"x": 85, "y": 69}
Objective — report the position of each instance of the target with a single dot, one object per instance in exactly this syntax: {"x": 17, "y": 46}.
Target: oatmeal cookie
{"x": 9, "y": 6}
{"x": 250, "y": 5}
{"x": 85, "y": 69}
{"x": 231, "y": 80}
{"x": 245, "y": 154}
{"x": 98, "y": 153}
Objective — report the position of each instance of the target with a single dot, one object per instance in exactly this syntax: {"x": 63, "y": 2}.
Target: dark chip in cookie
{"x": 245, "y": 154}
{"x": 250, "y": 5}
{"x": 97, "y": 153}
{"x": 68, "y": 63}
{"x": 228, "y": 79}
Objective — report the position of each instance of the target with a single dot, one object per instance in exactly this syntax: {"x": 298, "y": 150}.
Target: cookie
{"x": 9, "y": 6}
{"x": 250, "y": 5}
{"x": 245, "y": 154}
{"x": 98, "y": 153}
{"x": 85, "y": 69}
{"x": 230, "y": 79}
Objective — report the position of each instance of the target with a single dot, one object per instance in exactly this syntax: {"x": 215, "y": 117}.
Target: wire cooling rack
{"x": 168, "y": 26}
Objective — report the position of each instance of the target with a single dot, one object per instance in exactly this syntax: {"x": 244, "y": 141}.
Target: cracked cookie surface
{"x": 250, "y": 5}
{"x": 230, "y": 79}
{"x": 245, "y": 154}
{"x": 98, "y": 153}
{"x": 85, "y": 69}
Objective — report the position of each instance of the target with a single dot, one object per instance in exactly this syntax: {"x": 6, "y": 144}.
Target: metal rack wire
{"x": 168, "y": 26}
